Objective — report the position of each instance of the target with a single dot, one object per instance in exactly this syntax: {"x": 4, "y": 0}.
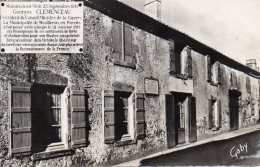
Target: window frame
{"x": 215, "y": 119}
{"x": 130, "y": 116}
{"x": 52, "y": 90}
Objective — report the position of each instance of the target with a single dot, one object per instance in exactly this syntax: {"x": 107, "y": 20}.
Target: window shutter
{"x": 238, "y": 82}
{"x": 140, "y": 116}
{"x": 109, "y": 116}
{"x": 117, "y": 40}
{"x": 252, "y": 108}
{"x": 209, "y": 69}
{"x": 248, "y": 85}
{"x": 233, "y": 79}
{"x": 219, "y": 114}
{"x": 172, "y": 57}
{"x": 210, "y": 113}
{"x": 192, "y": 119}
{"x": 220, "y": 74}
{"x": 128, "y": 43}
{"x": 78, "y": 117}
{"x": 189, "y": 62}
{"x": 21, "y": 134}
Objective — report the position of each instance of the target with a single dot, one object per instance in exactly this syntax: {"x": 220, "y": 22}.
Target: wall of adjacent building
{"x": 203, "y": 91}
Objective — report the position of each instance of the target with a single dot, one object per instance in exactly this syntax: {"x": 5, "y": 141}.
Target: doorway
{"x": 234, "y": 109}
{"x": 180, "y": 119}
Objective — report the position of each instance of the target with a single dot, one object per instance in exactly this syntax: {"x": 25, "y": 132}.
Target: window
{"x": 39, "y": 119}
{"x": 180, "y": 60}
{"x": 248, "y": 85}
{"x": 122, "y": 44}
{"x": 47, "y": 117}
{"x": 123, "y": 111}
{"x": 214, "y": 114}
{"x": 214, "y": 72}
{"x": 124, "y": 118}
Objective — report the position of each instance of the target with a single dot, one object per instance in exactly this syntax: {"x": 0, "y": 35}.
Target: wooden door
{"x": 170, "y": 120}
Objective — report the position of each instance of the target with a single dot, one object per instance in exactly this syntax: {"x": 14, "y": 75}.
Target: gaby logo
{"x": 235, "y": 151}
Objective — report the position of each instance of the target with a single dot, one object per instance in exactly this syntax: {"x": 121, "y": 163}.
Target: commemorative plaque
{"x": 151, "y": 86}
{"x": 41, "y": 27}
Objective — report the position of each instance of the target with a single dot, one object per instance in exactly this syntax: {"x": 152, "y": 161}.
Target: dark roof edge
{"x": 120, "y": 11}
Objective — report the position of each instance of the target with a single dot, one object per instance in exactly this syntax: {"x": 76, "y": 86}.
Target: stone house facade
{"x": 139, "y": 87}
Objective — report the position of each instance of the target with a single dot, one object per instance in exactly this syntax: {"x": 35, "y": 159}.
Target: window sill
{"x": 52, "y": 154}
{"x": 55, "y": 146}
{"x": 124, "y": 64}
{"x": 124, "y": 141}
{"x": 214, "y": 83}
{"x": 215, "y": 129}
{"x": 181, "y": 76}
{"x": 233, "y": 88}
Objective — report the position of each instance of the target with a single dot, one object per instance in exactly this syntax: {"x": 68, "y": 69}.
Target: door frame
{"x": 187, "y": 118}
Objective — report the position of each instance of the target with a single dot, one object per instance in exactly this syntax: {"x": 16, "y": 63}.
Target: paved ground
{"x": 234, "y": 148}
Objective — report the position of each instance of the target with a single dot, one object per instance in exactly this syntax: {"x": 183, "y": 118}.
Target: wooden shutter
{"x": 209, "y": 72}
{"x": 220, "y": 75}
{"x": 219, "y": 114}
{"x": 128, "y": 43}
{"x": 140, "y": 116}
{"x": 252, "y": 106}
{"x": 78, "y": 117}
{"x": 248, "y": 85}
{"x": 109, "y": 116}
{"x": 117, "y": 40}
{"x": 21, "y": 134}
{"x": 189, "y": 62}
{"x": 210, "y": 113}
{"x": 233, "y": 79}
{"x": 172, "y": 57}
{"x": 192, "y": 119}
{"x": 170, "y": 120}
{"x": 238, "y": 82}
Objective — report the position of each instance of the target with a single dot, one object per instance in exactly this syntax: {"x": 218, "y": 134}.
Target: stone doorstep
{"x": 223, "y": 136}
